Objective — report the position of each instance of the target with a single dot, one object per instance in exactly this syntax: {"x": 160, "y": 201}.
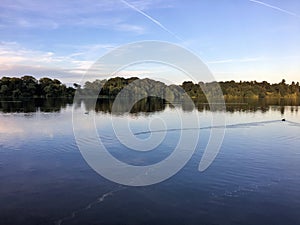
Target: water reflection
{"x": 145, "y": 106}
{"x": 33, "y": 105}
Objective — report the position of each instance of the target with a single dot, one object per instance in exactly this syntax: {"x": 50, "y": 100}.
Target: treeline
{"x": 247, "y": 89}
{"x": 29, "y": 87}
{"x": 131, "y": 87}
{"x": 263, "y": 89}
{"x": 230, "y": 89}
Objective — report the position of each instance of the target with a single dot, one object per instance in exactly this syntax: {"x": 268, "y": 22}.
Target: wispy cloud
{"x": 103, "y": 14}
{"x": 241, "y": 60}
{"x": 17, "y": 60}
{"x": 276, "y": 8}
{"x": 151, "y": 19}
{"x": 56, "y": 14}
{"x": 130, "y": 28}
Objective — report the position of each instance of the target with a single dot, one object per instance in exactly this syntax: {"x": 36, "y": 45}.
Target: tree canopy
{"x": 230, "y": 89}
{"x": 30, "y": 87}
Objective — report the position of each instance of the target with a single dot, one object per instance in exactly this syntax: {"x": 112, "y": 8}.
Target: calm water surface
{"x": 255, "y": 179}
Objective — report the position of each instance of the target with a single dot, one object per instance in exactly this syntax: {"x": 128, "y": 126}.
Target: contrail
{"x": 151, "y": 18}
{"x": 276, "y": 8}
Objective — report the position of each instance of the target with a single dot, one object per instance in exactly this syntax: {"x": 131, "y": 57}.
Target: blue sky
{"x": 237, "y": 39}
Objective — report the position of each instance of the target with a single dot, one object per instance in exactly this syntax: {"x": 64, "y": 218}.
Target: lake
{"x": 44, "y": 179}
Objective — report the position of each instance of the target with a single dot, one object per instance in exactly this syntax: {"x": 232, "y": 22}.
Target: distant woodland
{"x": 30, "y": 87}
{"x": 230, "y": 89}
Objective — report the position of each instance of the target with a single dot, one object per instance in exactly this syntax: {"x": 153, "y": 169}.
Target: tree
{"x": 4, "y": 90}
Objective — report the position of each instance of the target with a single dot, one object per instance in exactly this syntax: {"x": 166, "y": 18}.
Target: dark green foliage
{"x": 29, "y": 87}
{"x": 131, "y": 88}
{"x": 263, "y": 89}
{"x": 199, "y": 92}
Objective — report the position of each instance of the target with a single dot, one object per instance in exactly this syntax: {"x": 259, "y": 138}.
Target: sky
{"x": 236, "y": 39}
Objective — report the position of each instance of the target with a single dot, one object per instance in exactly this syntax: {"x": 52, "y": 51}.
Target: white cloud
{"x": 18, "y": 61}
{"x": 12, "y": 53}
